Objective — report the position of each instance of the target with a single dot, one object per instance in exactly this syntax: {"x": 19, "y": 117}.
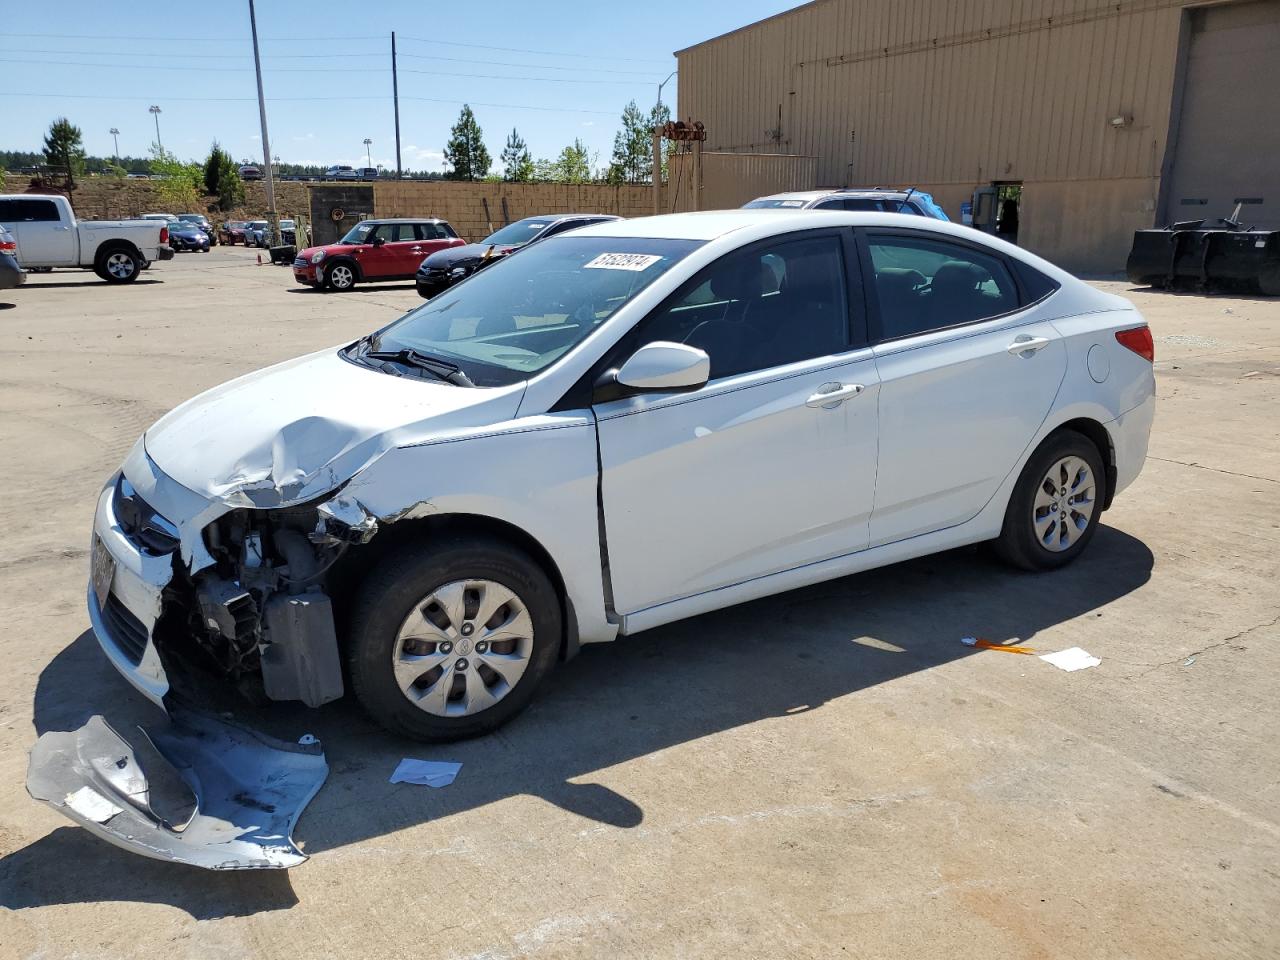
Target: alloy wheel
{"x": 1064, "y": 504}
{"x": 341, "y": 276}
{"x": 121, "y": 266}
{"x": 462, "y": 648}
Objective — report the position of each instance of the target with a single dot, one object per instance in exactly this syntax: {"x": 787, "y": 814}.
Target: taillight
{"x": 164, "y": 234}
{"x": 9, "y": 246}
{"x": 1139, "y": 341}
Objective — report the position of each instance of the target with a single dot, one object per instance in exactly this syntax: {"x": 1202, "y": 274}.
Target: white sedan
{"x": 626, "y": 425}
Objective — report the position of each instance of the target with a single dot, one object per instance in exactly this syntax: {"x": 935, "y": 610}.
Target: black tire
{"x": 118, "y": 265}
{"x": 1018, "y": 543}
{"x": 408, "y": 576}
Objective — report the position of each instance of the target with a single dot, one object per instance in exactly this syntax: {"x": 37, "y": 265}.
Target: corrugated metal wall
{"x": 944, "y": 91}
{"x": 731, "y": 179}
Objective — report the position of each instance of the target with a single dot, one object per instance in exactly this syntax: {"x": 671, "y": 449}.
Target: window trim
{"x": 864, "y": 235}
{"x": 581, "y": 394}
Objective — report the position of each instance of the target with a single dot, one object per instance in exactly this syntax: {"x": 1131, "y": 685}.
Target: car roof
{"x": 403, "y": 220}
{"x": 840, "y": 192}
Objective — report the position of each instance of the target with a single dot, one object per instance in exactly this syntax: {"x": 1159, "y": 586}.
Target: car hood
{"x": 330, "y": 249}
{"x": 457, "y": 256}
{"x": 302, "y": 428}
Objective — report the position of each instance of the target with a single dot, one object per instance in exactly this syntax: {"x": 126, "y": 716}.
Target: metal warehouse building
{"x": 1088, "y": 119}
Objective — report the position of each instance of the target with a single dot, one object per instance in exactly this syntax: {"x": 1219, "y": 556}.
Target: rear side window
{"x": 1035, "y": 285}
{"x": 8, "y": 211}
{"x": 39, "y": 211}
{"x": 432, "y": 231}
{"x": 924, "y": 284}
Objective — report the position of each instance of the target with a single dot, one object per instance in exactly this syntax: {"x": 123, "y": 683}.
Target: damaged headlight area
{"x": 261, "y": 613}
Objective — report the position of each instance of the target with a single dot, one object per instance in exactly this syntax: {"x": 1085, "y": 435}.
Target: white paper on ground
{"x": 428, "y": 773}
{"x": 1071, "y": 659}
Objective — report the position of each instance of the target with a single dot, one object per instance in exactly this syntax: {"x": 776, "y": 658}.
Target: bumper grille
{"x": 126, "y": 630}
{"x": 300, "y": 263}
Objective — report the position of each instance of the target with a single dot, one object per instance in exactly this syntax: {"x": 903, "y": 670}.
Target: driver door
{"x": 378, "y": 260}
{"x": 756, "y": 472}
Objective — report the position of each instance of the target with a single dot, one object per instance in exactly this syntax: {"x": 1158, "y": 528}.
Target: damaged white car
{"x": 620, "y": 427}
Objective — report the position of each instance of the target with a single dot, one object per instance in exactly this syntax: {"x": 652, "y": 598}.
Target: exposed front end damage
{"x": 249, "y": 790}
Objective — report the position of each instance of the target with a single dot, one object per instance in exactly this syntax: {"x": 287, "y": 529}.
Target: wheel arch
{"x": 349, "y": 261}
{"x": 1097, "y": 434}
{"x": 108, "y": 247}
{"x": 417, "y": 531}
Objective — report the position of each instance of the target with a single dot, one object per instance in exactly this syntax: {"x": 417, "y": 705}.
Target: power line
{"x": 493, "y": 76}
{"x": 547, "y": 53}
{"x": 533, "y": 66}
{"x": 474, "y": 103}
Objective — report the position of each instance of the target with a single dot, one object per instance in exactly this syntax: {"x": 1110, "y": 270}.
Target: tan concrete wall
{"x": 464, "y": 204}
{"x": 731, "y": 179}
{"x": 112, "y": 198}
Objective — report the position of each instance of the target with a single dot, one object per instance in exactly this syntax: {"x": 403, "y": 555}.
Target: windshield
{"x": 359, "y": 233}
{"x": 770, "y": 202}
{"x": 286, "y": 224}
{"x": 520, "y": 315}
{"x": 518, "y": 233}
{"x": 190, "y": 218}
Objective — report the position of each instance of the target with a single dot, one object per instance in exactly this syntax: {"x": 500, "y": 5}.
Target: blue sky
{"x": 555, "y": 71}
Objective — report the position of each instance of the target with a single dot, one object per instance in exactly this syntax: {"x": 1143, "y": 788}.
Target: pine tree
{"x": 64, "y": 150}
{"x": 465, "y": 151}
{"x": 213, "y": 169}
{"x": 574, "y": 164}
{"x": 517, "y": 162}
{"x": 632, "y": 160}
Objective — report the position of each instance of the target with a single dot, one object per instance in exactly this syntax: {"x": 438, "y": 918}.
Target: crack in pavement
{"x": 1201, "y": 466}
{"x": 1203, "y": 650}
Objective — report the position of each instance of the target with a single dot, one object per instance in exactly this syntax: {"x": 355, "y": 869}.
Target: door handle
{"x": 1025, "y": 346}
{"x": 831, "y": 395}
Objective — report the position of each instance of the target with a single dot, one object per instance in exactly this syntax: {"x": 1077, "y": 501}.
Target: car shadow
{"x": 5, "y": 305}
{"x": 616, "y": 702}
{"x": 358, "y": 289}
{"x": 64, "y": 284}
{"x": 1212, "y": 292}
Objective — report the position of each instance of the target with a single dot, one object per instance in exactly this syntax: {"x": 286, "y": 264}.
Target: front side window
{"x": 925, "y": 284}
{"x": 393, "y": 232}
{"x": 509, "y": 321}
{"x": 765, "y": 306}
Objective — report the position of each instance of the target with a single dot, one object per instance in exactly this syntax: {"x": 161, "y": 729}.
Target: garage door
{"x": 1228, "y": 138}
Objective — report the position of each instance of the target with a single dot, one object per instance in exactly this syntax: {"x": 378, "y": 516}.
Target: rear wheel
{"x": 452, "y": 642}
{"x": 1055, "y": 507}
{"x": 119, "y": 265}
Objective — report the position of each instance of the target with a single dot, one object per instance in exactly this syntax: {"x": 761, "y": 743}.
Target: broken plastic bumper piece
{"x": 249, "y": 790}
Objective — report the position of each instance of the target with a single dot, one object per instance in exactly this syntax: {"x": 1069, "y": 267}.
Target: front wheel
{"x": 1054, "y": 510}
{"x": 452, "y": 641}
{"x": 340, "y": 277}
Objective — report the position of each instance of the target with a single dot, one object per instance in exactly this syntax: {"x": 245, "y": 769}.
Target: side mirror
{"x": 378, "y": 241}
{"x": 658, "y": 367}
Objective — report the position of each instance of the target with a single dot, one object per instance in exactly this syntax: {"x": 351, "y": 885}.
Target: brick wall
{"x": 475, "y": 209}
{"x": 112, "y": 198}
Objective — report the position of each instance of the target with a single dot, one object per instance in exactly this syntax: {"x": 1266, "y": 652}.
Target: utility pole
{"x": 657, "y": 149}
{"x": 115, "y": 138}
{"x": 272, "y": 216}
{"x": 155, "y": 112}
{"x": 395, "y": 96}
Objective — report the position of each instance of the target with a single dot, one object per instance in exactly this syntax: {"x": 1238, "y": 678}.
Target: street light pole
{"x": 663, "y": 84}
{"x": 155, "y": 112}
{"x": 368, "y": 150}
{"x": 272, "y": 215}
{"x": 115, "y": 138}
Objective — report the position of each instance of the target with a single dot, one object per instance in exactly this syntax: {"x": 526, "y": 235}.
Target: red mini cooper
{"x": 374, "y": 250}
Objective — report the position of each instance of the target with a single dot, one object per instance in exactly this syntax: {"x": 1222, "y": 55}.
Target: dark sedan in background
{"x": 232, "y": 232}
{"x": 443, "y": 269}
{"x": 187, "y": 236}
{"x": 201, "y": 221}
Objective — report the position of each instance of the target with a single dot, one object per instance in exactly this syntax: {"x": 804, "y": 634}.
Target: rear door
{"x": 431, "y": 237}
{"x": 43, "y": 237}
{"x": 968, "y": 372}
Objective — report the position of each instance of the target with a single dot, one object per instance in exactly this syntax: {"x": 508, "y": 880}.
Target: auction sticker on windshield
{"x": 623, "y": 261}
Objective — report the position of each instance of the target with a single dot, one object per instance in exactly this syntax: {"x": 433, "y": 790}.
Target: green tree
{"x": 632, "y": 160}
{"x": 658, "y": 116}
{"x": 517, "y": 162}
{"x": 221, "y": 178}
{"x": 64, "y": 150}
{"x": 574, "y": 164}
{"x": 465, "y": 151}
{"x": 180, "y": 184}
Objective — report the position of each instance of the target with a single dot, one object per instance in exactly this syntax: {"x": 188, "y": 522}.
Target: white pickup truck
{"x": 49, "y": 235}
